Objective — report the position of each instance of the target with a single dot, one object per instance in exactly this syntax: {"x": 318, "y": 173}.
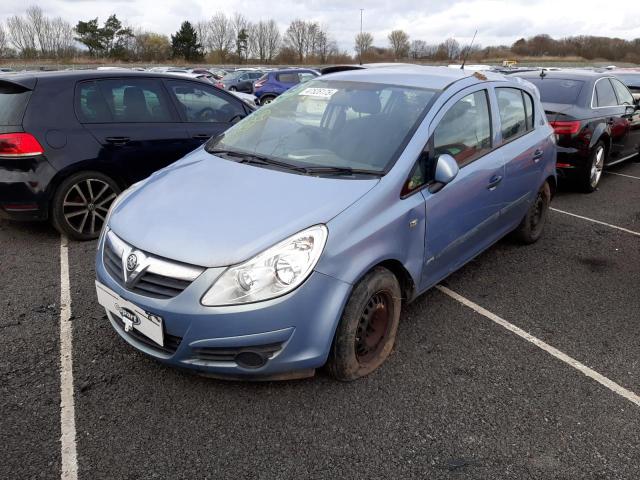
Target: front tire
{"x": 80, "y": 204}
{"x": 367, "y": 330}
{"x": 530, "y": 229}
{"x": 591, "y": 175}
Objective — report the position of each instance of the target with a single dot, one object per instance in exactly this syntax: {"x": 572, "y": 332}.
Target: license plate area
{"x": 132, "y": 316}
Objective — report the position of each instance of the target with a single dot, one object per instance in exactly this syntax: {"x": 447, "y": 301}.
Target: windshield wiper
{"x": 253, "y": 159}
{"x": 342, "y": 171}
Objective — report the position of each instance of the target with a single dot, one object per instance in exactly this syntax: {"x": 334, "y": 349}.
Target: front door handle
{"x": 118, "y": 141}
{"x": 493, "y": 183}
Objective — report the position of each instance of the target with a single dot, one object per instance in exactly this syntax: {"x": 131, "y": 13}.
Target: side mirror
{"x": 446, "y": 169}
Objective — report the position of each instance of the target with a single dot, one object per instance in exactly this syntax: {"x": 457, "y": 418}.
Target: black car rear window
{"x": 13, "y": 103}
{"x": 558, "y": 90}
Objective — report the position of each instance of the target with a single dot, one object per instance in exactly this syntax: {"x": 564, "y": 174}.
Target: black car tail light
{"x": 566, "y": 128}
{"x": 19, "y": 145}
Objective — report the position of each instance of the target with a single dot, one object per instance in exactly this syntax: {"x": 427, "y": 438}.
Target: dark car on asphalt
{"x": 272, "y": 84}
{"x": 595, "y": 118}
{"x": 71, "y": 141}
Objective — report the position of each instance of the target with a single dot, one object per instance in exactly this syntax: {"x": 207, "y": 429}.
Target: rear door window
{"x": 513, "y": 113}
{"x": 13, "y": 103}
{"x": 604, "y": 94}
{"x": 200, "y": 103}
{"x": 465, "y": 130}
{"x": 123, "y": 101}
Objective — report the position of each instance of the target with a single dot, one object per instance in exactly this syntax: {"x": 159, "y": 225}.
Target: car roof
{"x": 29, "y": 78}
{"x": 292, "y": 70}
{"x": 566, "y": 74}
{"x": 419, "y": 76}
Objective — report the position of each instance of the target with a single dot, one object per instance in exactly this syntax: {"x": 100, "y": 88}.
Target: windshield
{"x": 331, "y": 124}
{"x": 557, "y": 90}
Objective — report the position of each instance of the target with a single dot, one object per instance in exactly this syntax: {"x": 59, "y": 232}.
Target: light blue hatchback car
{"x": 290, "y": 241}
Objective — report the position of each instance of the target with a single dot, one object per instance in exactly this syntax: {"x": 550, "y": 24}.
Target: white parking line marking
{"x": 67, "y": 408}
{"x": 596, "y": 221}
{"x": 622, "y": 175}
{"x": 610, "y": 384}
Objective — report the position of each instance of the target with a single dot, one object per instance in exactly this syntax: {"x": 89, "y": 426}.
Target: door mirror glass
{"x": 446, "y": 169}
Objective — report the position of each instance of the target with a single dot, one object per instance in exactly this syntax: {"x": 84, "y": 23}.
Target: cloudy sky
{"x": 497, "y": 21}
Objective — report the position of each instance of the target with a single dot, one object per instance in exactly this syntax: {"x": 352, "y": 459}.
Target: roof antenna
{"x": 464, "y": 60}
{"x": 542, "y": 74}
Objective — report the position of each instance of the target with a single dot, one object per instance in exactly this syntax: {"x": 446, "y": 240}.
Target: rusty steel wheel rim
{"x": 373, "y": 327}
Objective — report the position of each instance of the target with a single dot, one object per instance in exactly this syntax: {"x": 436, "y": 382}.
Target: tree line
{"x": 235, "y": 39}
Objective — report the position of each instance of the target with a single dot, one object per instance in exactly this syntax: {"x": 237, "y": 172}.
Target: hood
{"x": 212, "y": 212}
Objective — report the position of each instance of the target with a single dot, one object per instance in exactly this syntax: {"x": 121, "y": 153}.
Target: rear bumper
{"x": 571, "y": 160}
{"x": 24, "y": 188}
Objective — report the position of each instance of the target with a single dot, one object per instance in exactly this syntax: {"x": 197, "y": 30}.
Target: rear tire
{"x": 80, "y": 204}
{"x": 367, "y": 330}
{"x": 532, "y": 225}
{"x": 591, "y": 175}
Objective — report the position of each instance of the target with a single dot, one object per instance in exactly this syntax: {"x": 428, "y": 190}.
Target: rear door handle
{"x": 537, "y": 155}
{"x": 118, "y": 140}
{"x": 493, "y": 183}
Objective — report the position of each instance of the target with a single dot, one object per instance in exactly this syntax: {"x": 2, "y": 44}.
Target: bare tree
{"x": 203, "y": 31}
{"x": 21, "y": 36}
{"x": 296, "y": 37}
{"x": 364, "y": 41}
{"x": 40, "y": 28}
{"x": 399, "y": 41}
{"x": 221, "y": 35}
{"x": 4, "y": 42}
{"x": 272, "y": 40}
{"x": 452, "y": 48}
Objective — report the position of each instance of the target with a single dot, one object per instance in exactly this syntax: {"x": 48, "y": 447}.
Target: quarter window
{"x": 513, "y": 113}
{"x": 624, "y": 96}
{"x": 465, "y": 130}
{"x": 605, "y": 96}
{"x": 204, "y": 104}
{"x": 288, "y": 78}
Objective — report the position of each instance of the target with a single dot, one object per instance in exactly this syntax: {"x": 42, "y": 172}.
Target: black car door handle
{"x": 201, "y": 136}
{"x": 118, "y": 140}
{"x": 495, "y": 180}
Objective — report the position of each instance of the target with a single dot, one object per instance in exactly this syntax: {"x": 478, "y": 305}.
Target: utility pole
{"x": 360, "y": 46}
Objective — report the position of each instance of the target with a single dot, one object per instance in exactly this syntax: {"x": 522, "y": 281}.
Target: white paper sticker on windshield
{"x": 318, "y": 92}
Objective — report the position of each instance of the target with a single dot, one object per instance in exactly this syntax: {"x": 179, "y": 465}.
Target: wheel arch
{"x": 84, "y": 166}
{"x": 406, "y": 281}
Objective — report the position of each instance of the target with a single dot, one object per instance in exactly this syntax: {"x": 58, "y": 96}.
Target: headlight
{"x": 272, "y": 273}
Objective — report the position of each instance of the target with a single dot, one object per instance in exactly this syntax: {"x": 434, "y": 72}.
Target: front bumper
{"x": 293, "y": 332}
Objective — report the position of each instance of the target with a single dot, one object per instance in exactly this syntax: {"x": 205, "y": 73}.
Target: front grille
{"x": 228, "y": 354}
{"x": 171, "y": 342}
{"x": 151, "y": 282}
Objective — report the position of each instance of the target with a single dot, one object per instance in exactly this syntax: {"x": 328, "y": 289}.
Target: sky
{"x": 497, "y": 21}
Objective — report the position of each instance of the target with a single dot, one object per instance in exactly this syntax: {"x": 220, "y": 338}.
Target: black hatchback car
{"x": 595, "y": 118}
{"x": 71, "y": 141}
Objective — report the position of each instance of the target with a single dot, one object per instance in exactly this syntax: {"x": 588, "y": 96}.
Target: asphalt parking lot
{"x": 461, "y": 396}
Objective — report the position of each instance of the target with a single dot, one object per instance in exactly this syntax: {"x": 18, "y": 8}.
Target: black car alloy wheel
{"x": 86, "y": 204}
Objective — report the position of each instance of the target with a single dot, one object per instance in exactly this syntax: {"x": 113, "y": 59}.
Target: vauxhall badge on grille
{"x": 132, "y": 262}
